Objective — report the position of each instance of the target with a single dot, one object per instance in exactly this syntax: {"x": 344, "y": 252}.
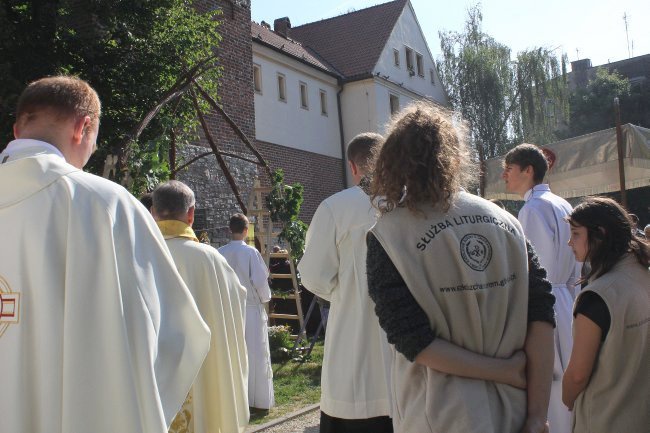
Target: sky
{"x": 595, "y": 28}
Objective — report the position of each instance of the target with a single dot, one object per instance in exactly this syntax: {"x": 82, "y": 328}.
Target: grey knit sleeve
{"x": 405, "y": 322}
{"x": 540, "y": 298}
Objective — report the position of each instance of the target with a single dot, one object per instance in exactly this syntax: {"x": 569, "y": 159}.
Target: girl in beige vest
{"x": 607, "y": 381}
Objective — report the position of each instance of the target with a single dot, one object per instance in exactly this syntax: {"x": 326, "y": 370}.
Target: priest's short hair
{"x": 172, "y": 200}
{"x": 64, "y": 96}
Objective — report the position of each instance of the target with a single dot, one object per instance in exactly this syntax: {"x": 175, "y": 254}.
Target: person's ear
{"x": 353, "y": 168}
{"x": 190, "y": 216}
{"x": 81, "y": 125}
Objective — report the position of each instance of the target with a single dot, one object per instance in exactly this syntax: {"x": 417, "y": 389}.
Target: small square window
{"x": 394, "y": 104}
{"x": 432, "y": 74}
{"x": 257, "y": 78}
{"x": 282, "y": 88}
{"x": 304, "y": 98}
{"x": 396, "y": 57}
{"x": 323, "y": 102}
{"x": 419, "y": 62}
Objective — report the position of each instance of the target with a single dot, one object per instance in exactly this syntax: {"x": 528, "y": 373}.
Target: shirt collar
{"x": 536, "y": 191}
{"x": 239, "y": 242}
{"x": 21, "y": 144}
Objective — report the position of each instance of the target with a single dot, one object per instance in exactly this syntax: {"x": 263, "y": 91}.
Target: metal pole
{"x": 621, "y": 152}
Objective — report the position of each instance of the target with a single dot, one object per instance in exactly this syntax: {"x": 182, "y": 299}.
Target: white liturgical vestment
{"x": 219, "y": 394}
{"x": 253, "y": 274}
{"x": 353, "y": 384}
{"x": 542, "y": 218}
{"x": 98, "y": 332}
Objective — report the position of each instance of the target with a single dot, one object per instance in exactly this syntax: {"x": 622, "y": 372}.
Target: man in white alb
{"x": 98, "y": 332}
{"x": 253, "y": 274}
{"x": 354, "y": 393}
{"x": 542, "y": 218}
{"x": 218, "y": 402}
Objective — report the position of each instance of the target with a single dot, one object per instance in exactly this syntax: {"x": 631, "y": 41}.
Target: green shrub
{"x": 280, "y": 342}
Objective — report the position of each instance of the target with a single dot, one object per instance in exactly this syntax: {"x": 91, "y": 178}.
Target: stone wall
{"x": 215, "y": 201}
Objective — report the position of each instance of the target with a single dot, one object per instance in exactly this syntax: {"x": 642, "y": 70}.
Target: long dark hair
{"x": 610, "y": 234}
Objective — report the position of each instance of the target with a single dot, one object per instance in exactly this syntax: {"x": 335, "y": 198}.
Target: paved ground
{"x": 305, "y": 423}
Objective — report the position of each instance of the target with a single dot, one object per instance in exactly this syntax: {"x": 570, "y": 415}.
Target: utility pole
{"x": 627, "y": 35}
{"x": 621, "y": 152}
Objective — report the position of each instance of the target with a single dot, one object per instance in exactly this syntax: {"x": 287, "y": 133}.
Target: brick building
{"x": 300, "y": 94}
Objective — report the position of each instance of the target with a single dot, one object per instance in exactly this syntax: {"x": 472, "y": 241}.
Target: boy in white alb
{"x": 542, "y": 218}
{"x": 253, "y": 274}
{"x": 354, "y": 394}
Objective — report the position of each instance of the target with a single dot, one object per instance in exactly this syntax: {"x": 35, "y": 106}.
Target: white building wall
{"x": 358, "y": 108}
{"x": 384, "y": 89}
{"x": 407, "y": 33}
{"x": 287, "y": 123}
{"x": 365, "y": 107}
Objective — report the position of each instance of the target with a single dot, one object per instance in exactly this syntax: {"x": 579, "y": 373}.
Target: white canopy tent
{"x": 586, "y": 165}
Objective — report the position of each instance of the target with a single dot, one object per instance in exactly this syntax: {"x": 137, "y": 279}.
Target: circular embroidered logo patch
{"x": 476, "y": 251}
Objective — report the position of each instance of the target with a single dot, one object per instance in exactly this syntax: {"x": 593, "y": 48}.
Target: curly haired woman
{"x": 448, "y": 272}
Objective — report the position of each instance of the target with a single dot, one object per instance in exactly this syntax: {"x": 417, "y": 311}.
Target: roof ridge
{"x": 264, "y": 39}
{"x": 297, "y": 42}
{"x": 350, "y": 13}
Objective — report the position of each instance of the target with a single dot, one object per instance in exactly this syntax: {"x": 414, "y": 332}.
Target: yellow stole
{"x": 176, "y": 229}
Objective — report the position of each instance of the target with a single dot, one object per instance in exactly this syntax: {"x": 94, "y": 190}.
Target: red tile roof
{"x": 268, "y": 37}
{"x": 353, "y": 42}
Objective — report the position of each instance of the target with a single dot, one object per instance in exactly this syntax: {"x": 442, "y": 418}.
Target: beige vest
{"x": 468, "y": 270}
{"x": 617, "y": 398}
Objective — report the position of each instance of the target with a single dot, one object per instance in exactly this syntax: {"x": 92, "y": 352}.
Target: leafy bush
{"x": 284, "y": 204}
{"x": 280, "y": 342}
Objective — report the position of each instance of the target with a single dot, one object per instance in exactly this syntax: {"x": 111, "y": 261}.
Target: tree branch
{"x": 217, "y": 153}
{"x": 234, "y": 126}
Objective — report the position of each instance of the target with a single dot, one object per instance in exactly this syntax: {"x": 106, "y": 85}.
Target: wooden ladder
{"x": 299, "y": 316}
{"x": 264, "y": 231}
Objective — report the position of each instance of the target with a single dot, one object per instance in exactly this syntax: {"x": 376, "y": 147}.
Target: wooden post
{"x": 621, "y": 152}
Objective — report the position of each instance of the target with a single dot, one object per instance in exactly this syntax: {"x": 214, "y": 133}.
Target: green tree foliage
{"x": 592, "y": 107}
{"x": 543, "y": 96}
{"x": 504, "y": 101}
{"x": 284, "y": 203}
{"x": 131, "y": 51}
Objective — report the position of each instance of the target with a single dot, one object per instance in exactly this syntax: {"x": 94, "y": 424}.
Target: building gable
{"x": 353, "y": 42}
{"x": 406, "y": 60}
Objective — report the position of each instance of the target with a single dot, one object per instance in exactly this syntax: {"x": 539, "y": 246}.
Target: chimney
{"x": 265, "y": 25}
{"x": 282, "y": 26}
